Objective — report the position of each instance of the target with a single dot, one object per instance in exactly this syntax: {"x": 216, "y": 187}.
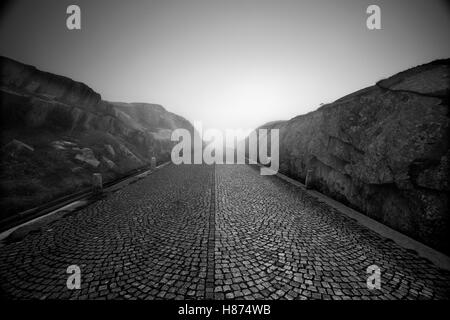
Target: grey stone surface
{"x": 62, "y": 124}
{"x": 274, "y": 241}
{"x": 146, "y": 241}
{"x": 383, "y": 150}
{"x": 223, "y": 232}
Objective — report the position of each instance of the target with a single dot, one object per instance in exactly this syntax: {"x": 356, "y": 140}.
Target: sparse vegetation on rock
{"x": 71, "y": 133}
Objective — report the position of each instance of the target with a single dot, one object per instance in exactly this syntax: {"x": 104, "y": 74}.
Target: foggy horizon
{"x": 238, "y": 64}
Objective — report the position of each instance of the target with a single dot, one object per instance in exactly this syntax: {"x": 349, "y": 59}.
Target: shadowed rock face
{"x": 73, "y": 133}
{"x": 28, "y": 79}
{"x": 382, "y": 150}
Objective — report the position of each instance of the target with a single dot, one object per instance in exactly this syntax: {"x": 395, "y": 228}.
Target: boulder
{"x": 109, "y": 148}
{"x": 16, "y": 147}
{"x": 77, "y": 169}
{"x": 63, "y": 145}
{"x": 110, "y": 164}
{"x": 130, "y": 155}
{"x": 87, "y": 156}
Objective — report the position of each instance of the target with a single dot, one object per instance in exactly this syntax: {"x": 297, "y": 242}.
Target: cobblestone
{"x": 223, "y": 232}
{"x": 148, "y": 240}
{"x": 295, "y": 247}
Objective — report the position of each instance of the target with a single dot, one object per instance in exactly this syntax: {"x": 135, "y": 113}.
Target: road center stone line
{"x": 209, "y": 287}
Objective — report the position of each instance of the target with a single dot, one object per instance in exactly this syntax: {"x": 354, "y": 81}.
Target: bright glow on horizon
{"x": 228, "y": 63}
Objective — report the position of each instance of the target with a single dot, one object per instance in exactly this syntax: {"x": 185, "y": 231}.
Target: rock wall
{"x": 382, "y": 150}
{"x": 73, "y": 133}
{"x": 28, "y": 79}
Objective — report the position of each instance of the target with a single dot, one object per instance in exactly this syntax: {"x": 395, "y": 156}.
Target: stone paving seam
{"x": 209, "y": 287}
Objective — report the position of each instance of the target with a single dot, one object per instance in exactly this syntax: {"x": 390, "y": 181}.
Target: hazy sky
{"x": 228, "y": 63}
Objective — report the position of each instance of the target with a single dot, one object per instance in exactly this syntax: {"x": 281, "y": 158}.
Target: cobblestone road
{"x": 201, "y": 232}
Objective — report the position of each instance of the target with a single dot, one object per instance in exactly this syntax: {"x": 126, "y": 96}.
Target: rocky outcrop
{"x": 16, "y": 147}
{"x": 46, "y": 85}
{"x": 382, "y": 150}
{"x": 73, "y": 133}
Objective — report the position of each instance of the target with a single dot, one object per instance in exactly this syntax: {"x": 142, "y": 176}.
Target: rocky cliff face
{"x": 56, "y": 132}
{"x": 382, "y": 150}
